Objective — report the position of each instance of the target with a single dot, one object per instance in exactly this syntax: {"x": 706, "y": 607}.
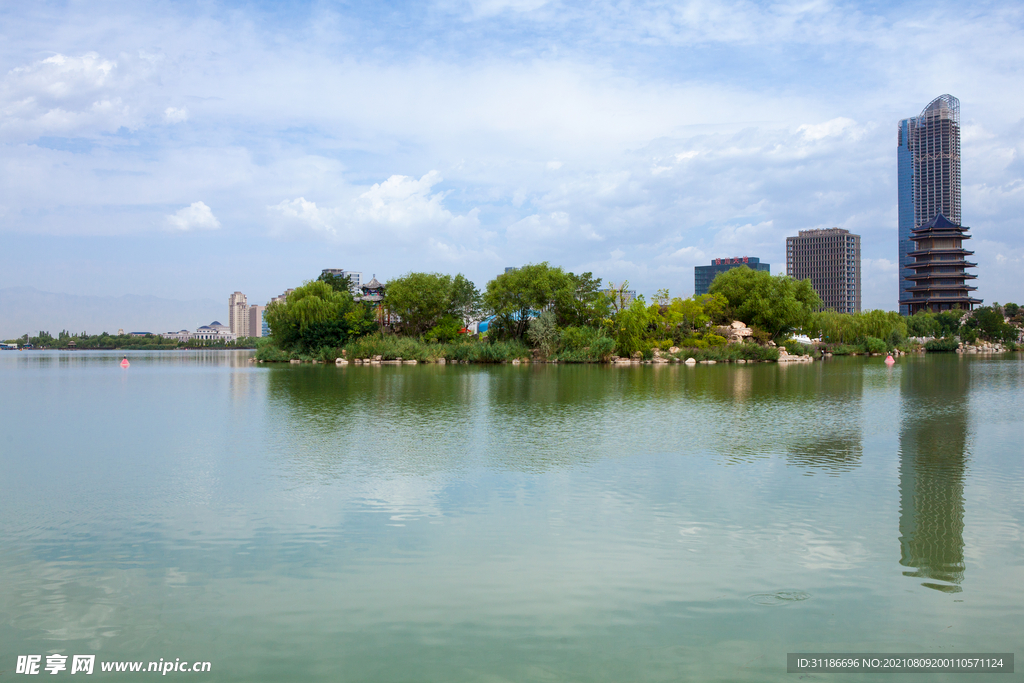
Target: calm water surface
{"x": 534, "y": 523}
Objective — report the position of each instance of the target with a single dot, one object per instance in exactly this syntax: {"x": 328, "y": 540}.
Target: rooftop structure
{"x": 373, "y": 291}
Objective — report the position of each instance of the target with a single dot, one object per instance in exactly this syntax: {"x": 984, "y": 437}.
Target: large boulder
{"x": 735, "y": 332}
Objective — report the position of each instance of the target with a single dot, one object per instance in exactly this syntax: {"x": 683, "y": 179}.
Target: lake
{"x": 507, "y": 523}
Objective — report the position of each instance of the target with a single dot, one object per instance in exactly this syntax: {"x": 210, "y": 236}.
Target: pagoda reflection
{"x": 934, "y": 435}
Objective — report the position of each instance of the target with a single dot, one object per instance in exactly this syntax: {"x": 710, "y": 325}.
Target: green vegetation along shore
{"x": 543, "y": 313}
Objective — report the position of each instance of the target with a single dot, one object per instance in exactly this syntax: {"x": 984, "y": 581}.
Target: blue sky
{"x": 186, "y": 150}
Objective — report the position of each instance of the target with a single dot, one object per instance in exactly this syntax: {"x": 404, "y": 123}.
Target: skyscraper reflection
{"x": 934, "y": 435}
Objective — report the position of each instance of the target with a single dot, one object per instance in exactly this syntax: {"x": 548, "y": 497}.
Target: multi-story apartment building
{"x": 928, "y": 177}
{"x": 704, "y": 275}
{"x": 256, "y": 323}
{"x": 831, "y": 260}
{"x": 238, "y": 314}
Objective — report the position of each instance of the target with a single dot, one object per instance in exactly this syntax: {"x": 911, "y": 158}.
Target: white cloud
{"x": 489, "y": 8}
{"x": 176, "y": 115}
{"x": 690, "y": 255}
{"x": 306, "y": 213}
{"x": 836, "y": 126}
{"x": 64, "y": 95}
{"x": 402, "y": 207}
{"x": 198, "y": 216}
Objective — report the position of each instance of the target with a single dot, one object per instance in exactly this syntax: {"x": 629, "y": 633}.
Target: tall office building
{"x": 238, "y": 314}
{"x": 928, "y": 170}
{"x": 831, "y": 260}
{"x": 704, "y": 275}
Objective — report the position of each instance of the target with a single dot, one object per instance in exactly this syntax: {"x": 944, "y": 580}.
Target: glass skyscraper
{"x": 928, "y": 169}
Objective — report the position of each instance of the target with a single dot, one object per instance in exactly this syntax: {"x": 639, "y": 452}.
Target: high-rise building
{"x": 939, "y": 277}
{"x": 928, "y": 170}
{"x": 704, "y": 275}
{"x": 238, "y": 314}
{"x": 831, "y": 260}
{"x": 256, "y": 320}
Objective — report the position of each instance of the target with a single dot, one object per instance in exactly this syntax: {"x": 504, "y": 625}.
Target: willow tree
{"x": 316, "y": 315}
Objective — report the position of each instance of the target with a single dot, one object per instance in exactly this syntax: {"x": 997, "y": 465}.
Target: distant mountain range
{"x": 29, "y": 310}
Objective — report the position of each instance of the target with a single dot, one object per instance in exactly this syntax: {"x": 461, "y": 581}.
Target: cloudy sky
{"x": 189, "y": 149}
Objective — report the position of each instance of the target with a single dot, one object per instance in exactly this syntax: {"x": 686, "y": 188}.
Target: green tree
{"x": 579, "y": 301}
{"x": 339, "y": 283}
{"x": 422, "y": 300}
{"x": 633, "y": 323}
{"x": 616, "y": 295}
{"x": 315, "y": 316}
{"x": 513, "y": 298}
{"x": 922, "y": 324}
{"x": 777, "y": 304}
{"x": 544, "y": 333}
{"x": 988, "y": 323}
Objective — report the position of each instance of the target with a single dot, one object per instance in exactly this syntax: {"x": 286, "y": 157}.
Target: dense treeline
{"x": 104, "y": 340}
{"x": 538, "y": 310}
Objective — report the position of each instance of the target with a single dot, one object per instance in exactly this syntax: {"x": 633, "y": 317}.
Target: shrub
{"x": 445, "y": 332}
{"x": 498, "y": 352}
{"x": 730, "y": 352}
{"x": 600, "y": 349}
{"x": 842, "y": 350}
{"x": 693, "y": 343}
{"x": 576, "y": 338}
{"x": 272, "y": 353}
{"x": 798, "y": 349}
{"x": 896, "y": 338}
{"x": 945, "y": 344}
{"x": 875, "y": 345}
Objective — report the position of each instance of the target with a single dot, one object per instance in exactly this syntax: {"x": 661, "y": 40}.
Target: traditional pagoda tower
{"x": 939, "y": 282}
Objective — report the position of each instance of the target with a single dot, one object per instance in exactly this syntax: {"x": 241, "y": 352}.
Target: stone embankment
{"x": 981, "y": 347}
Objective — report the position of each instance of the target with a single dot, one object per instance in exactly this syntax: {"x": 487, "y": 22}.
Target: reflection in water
{"x": 933, "y": 443}
{"x": 434, "y": 419}
{"x": 836, "y": 443}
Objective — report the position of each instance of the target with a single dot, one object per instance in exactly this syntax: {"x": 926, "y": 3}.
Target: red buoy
{"x": 125, "y": 363}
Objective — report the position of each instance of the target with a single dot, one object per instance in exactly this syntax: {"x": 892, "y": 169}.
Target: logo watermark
{"x": 86, "y": 664}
